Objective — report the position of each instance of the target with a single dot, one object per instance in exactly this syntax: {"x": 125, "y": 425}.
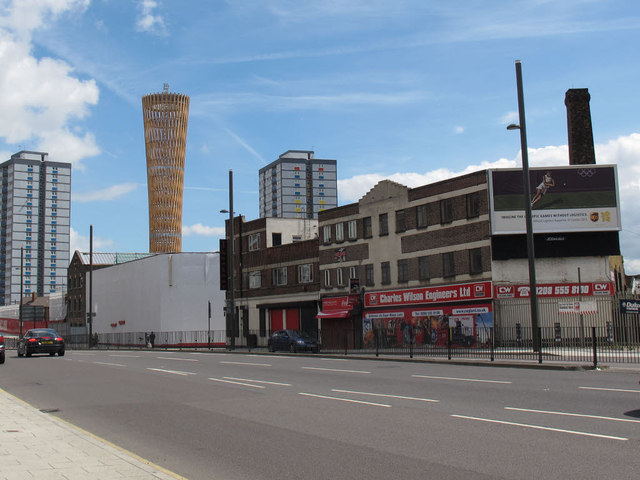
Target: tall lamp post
{"x": 21, "y": 288}
{"x": 231, "y": 310}
{"x": 527, "y": 209}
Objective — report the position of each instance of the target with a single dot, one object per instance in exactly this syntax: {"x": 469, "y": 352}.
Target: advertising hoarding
{"x": 579, "y": 198}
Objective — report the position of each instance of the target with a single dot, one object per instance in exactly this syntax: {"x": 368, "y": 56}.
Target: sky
{"x": 409, "y": 90}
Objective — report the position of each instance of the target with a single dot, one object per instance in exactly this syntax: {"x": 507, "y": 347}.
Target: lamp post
{"x": 231, "y": 310}
{"x": 21, "y": 288}
{"x": 527, "y": 209}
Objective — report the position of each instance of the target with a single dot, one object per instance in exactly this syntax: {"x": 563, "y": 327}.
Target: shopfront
{"x": 428, "y": 316}
{"x": 340, "y": 322}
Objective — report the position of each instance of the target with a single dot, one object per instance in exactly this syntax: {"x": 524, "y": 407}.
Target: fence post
{"x": 449, "y": 342}
{"x": 491, "y": 343}
{"x": 376, "y": 335}
{"x": 595, "y": 349}
{"x": 346, "y": 342}
{"x": 410, "y": 341}
{"x": 539, "y": 344}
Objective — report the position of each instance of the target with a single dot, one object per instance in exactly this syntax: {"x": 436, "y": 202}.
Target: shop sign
{"x": 441, "y": 294}
{"x": 555, "y": 290}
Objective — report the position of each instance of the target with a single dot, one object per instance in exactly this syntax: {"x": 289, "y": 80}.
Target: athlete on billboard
{"x": 547, "y": 182}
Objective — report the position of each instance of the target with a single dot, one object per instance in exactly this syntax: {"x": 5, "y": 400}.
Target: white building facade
{"x": 35, "y": 226}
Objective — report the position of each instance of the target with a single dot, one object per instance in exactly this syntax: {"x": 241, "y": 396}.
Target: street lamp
{"x": 231, "y": 311}
{"x": 527, "y": 210}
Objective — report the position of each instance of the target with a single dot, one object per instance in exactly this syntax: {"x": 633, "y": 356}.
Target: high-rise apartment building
{"x": 35, "y": 213}
{"x": 165, "y": 118}
{"x": 298, "y": 185}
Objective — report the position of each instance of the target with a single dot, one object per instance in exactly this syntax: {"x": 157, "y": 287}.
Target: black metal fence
{"x": 591, "y": 345}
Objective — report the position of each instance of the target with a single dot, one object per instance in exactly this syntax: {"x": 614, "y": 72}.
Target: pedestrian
{"x": 147, "y": 342}
{"x": 152, "y": 339}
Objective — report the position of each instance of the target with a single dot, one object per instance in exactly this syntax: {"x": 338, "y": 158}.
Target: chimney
{"x": 580, "y": 130}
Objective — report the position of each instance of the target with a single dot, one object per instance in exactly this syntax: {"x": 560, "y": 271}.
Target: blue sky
{"x": 412, "y": 90}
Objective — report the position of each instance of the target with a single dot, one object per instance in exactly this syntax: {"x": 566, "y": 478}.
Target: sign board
{"x": 445, "y": 293}
{"x": 563, "y": 199}
{"x": 629, "y": 306}
{"x": 555, "y": 290}
{"x": 577, "y": 307}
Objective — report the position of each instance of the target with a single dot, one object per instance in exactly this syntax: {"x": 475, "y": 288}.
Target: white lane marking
{"x": 235, "y": 383}
{"x": 178, "y": 359}
{"x": 610, "y": 389}
{"x": 250, "y": 364}
{"x": 597, "y": 417}
{"x": 385, "y": 395}
{"x": 461, "y": 379}
{"x": 258, "y": 381}
{"x": 334, "y": 370}
{"x": 125, "y": 356}
{"x": 110, "y": 364}
{"x": 174, "y": 372}
{"x": 334, "y": 359}
{"x": 83, "y": 353}
{"x": 539, "y": 427}
{"x": 349, "y": 400}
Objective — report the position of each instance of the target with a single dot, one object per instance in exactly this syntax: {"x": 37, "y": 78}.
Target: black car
{"x": 1, "y": 349}
{"x": 293, "y": 342}
{"x": 41, "y": 340}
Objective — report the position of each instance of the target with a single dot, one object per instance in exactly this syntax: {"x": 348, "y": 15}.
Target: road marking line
{"x": 250, "y": 364}
{"x": 111, "y": 364}
{"x": 258, "y": 381}
{"x": 334, "y": 370}
{"x": 334, "y": 359}
{"x": 385, "y": 395}
{"x": 125, "y": 356}
{"x": 598, "y": 417}
{"x": 178, "y": 359}
{"x": 610, "y": 389}
{"x": 539, "y": 427}
{"x": 235, "y": 383}
{"x": 83, "y": 353}
{"x": 461, "y": 379}
{"x": 174, "y": 372}
{"x": 349, "y": 400}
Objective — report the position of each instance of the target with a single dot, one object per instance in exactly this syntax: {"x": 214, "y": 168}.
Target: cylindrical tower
{"x": 165, "y": 137}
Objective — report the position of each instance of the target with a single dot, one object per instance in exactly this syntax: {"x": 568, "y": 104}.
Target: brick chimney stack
{"x": 580, "y": 130}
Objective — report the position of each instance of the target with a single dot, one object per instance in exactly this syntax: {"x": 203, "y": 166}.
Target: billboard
{"x": 578, "y": 198}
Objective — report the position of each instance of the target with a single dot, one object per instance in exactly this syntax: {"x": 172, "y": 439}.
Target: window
{"x": 339, "y": 232}
{"x": 305, "y": 273}
{"x": 383, "y": 219}
{"x": 254, "y": 242}
{"x": 326, "y": 233}
{"x": 366, "y": 227}
{"x": 276, "y": 239}
{"x": 475, "y": 260}
{"x": 403, "y": 270}
{"x": 368, "y": 274}
{"x": 386, "y": 273}
{"x": 423, "y": 268}
{"x": 401, "y": 225}
{"x": 473, "y": 204}
{"x": 280, "y": 276}
{"x": 446, "y": 210}
{"x": 327, "y": 278}
{"x": 421, "y": 216}
{"x": 448, "y": 265}
{"x": 339, "y": 277}
{"x": 352, "y": 272}
{"x": 353, "y": 230}
{"x": 255, "y": 279}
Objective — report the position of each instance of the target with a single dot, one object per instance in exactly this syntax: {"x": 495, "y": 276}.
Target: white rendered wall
{"x": 161, "y": 293}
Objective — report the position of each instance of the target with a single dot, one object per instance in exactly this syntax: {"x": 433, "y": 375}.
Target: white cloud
{"x": 41, "y": 98}
{"x": 199, "y": 229}
{"x": 106, "y": 194}
{"x": 459, "y": 130}
{"x": 149, "y": 21}
{"x": 82, "y": 243}
{"x": 623, "y": 151}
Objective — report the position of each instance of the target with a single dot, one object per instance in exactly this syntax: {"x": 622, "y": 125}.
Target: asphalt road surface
{"x": 239, "y": 416}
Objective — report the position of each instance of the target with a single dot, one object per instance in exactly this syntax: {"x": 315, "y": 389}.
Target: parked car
{"x": 1, "y": 349}
{"x": 41, "y": 340}
{"x": 293, "y": 341}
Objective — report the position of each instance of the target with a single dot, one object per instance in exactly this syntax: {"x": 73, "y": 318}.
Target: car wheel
{"x": 271, "y": 349}
{"x": 20, "y": 353}
{"x": 61, "y": 353}
{"x": 51, "y": 354}
{"x": 2, "y": 359}
{"x": 28, "y": 354}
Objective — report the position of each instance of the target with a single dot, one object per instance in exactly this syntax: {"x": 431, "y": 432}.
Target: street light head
{"x": 513, "y": 126}
{"x": 224, "y": 211}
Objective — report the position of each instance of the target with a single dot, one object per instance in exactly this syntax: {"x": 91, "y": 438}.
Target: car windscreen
{"x": 43, "y": 333}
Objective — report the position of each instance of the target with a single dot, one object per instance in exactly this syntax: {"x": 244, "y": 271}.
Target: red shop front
{"x": 340, "y": 325}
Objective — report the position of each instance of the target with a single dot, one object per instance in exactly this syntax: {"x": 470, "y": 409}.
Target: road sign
{"x": 629, "y": 306}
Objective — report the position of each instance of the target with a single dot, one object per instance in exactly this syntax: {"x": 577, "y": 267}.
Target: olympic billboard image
{"x": 578, "y": 198}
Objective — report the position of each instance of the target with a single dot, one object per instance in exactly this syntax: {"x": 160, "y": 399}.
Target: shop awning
{"x": 334, "y": 314}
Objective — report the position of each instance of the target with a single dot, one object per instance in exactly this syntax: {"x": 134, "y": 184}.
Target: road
{"x": 240, "y": 416}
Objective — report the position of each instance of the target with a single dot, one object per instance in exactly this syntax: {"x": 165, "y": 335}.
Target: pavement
{"x": 35, "y": 444}
{"x": 39, "y": 445}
